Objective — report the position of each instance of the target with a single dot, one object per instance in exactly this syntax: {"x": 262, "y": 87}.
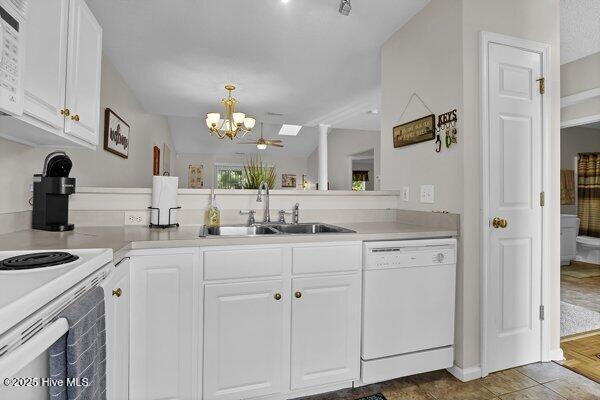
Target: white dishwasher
{"x": 409, "y": 290}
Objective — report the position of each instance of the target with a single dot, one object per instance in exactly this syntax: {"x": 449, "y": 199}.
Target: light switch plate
{"x": 427, "y": 194}
{"x": 406, "y": 193}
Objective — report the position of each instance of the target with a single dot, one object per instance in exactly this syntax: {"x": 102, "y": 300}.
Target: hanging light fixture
{"x": 232, "y": 123}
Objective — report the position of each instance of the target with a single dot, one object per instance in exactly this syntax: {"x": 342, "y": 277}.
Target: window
{"x": 359, "y": 180}
{"x": 229, "y": 177}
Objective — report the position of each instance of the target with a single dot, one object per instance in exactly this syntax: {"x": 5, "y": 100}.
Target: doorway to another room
{"x": 363, "y": 171}
{"x": 580, "y": 248}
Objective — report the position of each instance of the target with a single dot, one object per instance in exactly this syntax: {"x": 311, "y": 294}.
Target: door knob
{"x": 117, "y": 292}
{"x": 75, "y": 118}
{"x": 498, "y": 222}
{"x": 277, "y": 296}
{"x": 298, "y": 294}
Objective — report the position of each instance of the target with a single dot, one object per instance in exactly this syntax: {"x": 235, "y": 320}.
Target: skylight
{"x": 290, "y": 130}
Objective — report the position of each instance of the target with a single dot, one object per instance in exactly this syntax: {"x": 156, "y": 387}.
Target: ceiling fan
{"x": 262, "y": 143}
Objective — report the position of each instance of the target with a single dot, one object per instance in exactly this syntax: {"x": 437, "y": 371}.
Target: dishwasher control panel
{"x": 409, "y": 253}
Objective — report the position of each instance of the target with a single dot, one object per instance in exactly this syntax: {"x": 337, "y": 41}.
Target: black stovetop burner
{"x": 37, "y": 260}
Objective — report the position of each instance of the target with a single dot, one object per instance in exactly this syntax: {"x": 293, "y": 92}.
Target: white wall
{"x": 572, "y": 142}
{"x": 578, "y": 76}
{"x": 436, "y": 54}
{"x": 18, "y": 163}
{"x": 282, "y": 164}
{"x": 341, "y": 144}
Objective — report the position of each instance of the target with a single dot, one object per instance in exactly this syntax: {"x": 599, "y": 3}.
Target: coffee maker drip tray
{"x": 37, "y": 260}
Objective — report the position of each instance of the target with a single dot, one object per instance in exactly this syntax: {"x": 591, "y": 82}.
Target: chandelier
{"x": 233, "y": 123}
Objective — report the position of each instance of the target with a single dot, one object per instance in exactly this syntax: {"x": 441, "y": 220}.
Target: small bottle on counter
{"x": 212, "y": 216}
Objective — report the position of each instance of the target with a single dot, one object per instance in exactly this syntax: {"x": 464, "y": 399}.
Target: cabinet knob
{"x": 298, "y": 294}
{"x": 75, "y": 118}
{"x": 117, "y": 292}
{"x": 277, "y": 296}
{"x": 66, "y": 112}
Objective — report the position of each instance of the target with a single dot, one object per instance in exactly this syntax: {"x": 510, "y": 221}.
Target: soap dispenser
{"x": 212, "y": 216}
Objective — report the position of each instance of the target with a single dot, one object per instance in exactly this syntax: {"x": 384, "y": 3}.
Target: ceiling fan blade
{"x": 247, "y": 143}
{"x": 274, "y": 145}
{"x": 274, "y": 140}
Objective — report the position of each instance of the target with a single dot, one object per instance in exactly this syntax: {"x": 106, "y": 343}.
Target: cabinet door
{"x": 83, "y": 73}
{"x": 116, "y": 299}
{"x": 243, "y": 339}
{"x": 164, "y": 310}
{"x": 45, "y": 68}
{"x": 325, "y": 330}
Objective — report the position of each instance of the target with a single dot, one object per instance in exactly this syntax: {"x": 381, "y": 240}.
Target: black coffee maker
{"x": 51, "y": 190}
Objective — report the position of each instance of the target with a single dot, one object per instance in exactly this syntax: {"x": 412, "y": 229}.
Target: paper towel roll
{"x": 164, "y": 197}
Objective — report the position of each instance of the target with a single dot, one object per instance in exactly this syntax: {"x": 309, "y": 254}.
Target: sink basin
{"x": 310, "y": 229}
{"x": 241, "y": 231}
{"x": 274, "y": 229}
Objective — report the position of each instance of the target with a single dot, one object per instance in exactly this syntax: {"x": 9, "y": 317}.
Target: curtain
{"x": 588, "y": 190}
{"x": 360, "y": 176}
{"x": 567, "y": 187}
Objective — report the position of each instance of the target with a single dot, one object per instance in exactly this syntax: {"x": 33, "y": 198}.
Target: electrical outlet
{"x": 427, "y": 194}
{"x": 136, "y": 218}
{"x": 31, "y": 188}
{"x": 406, "y": 193}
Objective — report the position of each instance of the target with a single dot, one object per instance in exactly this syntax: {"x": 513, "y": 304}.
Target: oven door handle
{"x": 17, "y": 359}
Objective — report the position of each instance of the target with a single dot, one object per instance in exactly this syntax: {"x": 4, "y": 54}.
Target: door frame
{"x": 486, "y": 38}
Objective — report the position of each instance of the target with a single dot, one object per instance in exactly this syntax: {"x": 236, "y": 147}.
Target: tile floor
{"x": 540, "y": 381}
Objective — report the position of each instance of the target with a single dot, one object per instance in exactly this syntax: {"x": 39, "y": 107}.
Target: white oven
{"x": 12, "y": 43}
{"x": 30, "y": 301}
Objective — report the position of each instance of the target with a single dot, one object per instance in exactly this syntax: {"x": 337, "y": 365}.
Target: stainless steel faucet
{"x": 264, "y": 186}
{"x": 296, "y": 214}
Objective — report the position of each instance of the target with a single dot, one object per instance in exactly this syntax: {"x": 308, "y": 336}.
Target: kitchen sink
{"x": 253, "y": 230}
{"x": 310, "y": 229}
{"x": 274, "y": 229}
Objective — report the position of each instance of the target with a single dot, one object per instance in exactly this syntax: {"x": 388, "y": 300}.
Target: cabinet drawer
{"x": 250, "y": 263}
{"x": 331, "y": 258}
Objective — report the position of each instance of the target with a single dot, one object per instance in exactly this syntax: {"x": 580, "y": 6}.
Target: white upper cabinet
{"x": 45, "y": 71}
{"x": 83, "y": 74}
{"x": 61, "y": 77}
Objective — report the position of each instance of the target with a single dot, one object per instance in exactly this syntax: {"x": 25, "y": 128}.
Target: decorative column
{"x": 323, "y": 175}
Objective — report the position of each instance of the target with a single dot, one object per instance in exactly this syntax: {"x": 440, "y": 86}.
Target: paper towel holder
{"x": 169, "y": 225}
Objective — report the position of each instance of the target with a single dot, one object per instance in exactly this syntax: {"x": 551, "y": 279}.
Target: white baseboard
{"x": 556, "y": 355}
{"x": 465, "y": 374}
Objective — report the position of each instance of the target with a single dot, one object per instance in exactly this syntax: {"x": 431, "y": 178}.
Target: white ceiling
{"x": 191, "y": 139}
{"x": 579, "y": 29}
{"x": 301, "y": 59}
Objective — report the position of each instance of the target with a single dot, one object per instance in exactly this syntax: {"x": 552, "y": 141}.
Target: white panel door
{"x": 83, "y": 73}
{"x": 515, "y": 183}
{"x": 45, "y": 70}
{"x": 163, "y": 343}
{"x": 325, "y": 330}
{"x": 243, "y": 333}
{"x": 116, "y": 299}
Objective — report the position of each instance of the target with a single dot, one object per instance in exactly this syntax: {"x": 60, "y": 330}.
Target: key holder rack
{"x": 446, "y": 122}
{"x": 159, "y": 226}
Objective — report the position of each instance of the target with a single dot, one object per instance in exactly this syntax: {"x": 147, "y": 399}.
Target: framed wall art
{"x": 417, "y": 131}
{"x": 116, "y": 134}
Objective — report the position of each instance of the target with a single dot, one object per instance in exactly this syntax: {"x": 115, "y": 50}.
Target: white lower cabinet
{"x": 116, "y": 309}
{"x": 165, "y": 309}
{"x": 243, "y": 339}
{"x": 325, "y": 342}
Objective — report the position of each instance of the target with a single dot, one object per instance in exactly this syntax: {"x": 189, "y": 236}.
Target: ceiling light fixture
{"x": 262, "y": 143}
{"x": 345, "y": 7}
{"x": 289, "y": 130}
{"x": 232, "y": 123}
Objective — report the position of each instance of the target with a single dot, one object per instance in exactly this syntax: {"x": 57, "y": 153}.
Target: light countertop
{"x": 124, "y": 238}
